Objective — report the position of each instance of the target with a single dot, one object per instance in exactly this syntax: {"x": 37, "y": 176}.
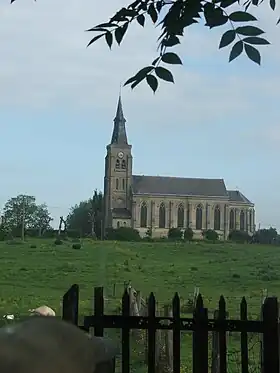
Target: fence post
{"x": 70, "y": 305}
{"x": 99, "y": 311}
{"x": 270, "y": 336}
{"x": 200, "y": 337}
{"x": 176, "y": 333}
{"x": 215, "y": 358}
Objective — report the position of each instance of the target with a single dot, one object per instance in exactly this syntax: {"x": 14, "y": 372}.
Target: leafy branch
{"x": 180, "y": 15}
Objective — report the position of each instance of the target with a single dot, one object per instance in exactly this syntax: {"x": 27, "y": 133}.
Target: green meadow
{"x": 37, "y": 272}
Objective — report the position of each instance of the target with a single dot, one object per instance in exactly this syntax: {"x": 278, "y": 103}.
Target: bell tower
{"x": 118, "y": 176}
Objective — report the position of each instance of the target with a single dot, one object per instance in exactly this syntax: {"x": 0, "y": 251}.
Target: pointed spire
{"x": 119, "y": 132}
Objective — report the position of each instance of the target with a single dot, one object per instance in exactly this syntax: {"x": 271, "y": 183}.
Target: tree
{"x": 175, "y": 16}
{"x": 265, "y": 236}
{"x": 87, "y": 216}
{"x": 41, "y": 219}
{"x": 22, "y": 213}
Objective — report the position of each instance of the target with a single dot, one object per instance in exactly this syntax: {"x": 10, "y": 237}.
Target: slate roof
{"x": 165, "y": 185}
{"x": 236, "y": 196}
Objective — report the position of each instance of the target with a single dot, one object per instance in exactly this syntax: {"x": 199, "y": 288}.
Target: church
{"x": 159, "y": 203}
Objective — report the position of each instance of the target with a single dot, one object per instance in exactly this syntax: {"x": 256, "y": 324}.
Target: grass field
{"x": 30, "y": 277}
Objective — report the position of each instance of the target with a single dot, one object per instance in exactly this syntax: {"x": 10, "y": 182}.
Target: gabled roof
{"x": 236, "y": 196}
{"x": 165, "y": 185}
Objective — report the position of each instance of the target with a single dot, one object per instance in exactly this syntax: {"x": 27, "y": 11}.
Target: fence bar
{"x": 99, "y": 311}
{"x": 222, "y": 337}
{"x": 176, "y": 334}
{"x": 125, "y": 334}
{"x": 244, "y": 338}
{"x": 200, "y": 338}
{"x": 151, "y": 334}
{"x": 70, "y": 305}
{"x": 270, "y": 336}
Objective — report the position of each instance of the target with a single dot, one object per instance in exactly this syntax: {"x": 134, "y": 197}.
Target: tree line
{"x": 22, "y": 216}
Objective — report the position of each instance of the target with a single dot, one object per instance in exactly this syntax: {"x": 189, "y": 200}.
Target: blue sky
{"x": 58, "y": 101}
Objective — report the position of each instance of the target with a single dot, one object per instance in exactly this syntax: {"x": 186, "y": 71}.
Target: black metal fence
{"x": 200, "y": 324}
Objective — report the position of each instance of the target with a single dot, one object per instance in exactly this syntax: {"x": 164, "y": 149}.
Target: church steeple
{"x": 119, "y": 133}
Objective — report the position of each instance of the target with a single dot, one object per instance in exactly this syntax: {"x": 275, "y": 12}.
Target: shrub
{"x": 123, "y": 234}
{"x": 239, "y": 236}
{"x": 175, "y": 234}
{"x": 210, "y": 235}
{"x": 58, "y": 241}
{"x": 76, "y": 246}
{"x": 188, "y": 234}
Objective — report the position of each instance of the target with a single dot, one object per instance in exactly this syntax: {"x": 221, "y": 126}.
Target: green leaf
{"x": 152, "y": 82}
{"x": 94, "y": 39}
{"x": 272, "y": 4}
{"x": 227, "y": 38}
{"x": 226, "y": 3}
{"x": 109, "y": 39}
{"x": 256, "y": 40}
{"x": 152, "y": 13}
{"x": 164, "y": 74}
{"x": 214, "y": 16}
{"x": 249, "y": 31}
{"x": 155, "y": 61}
{"x": 139, "y": 76}
{"x": 133, "y": 85}
{"x": 141, "y": 20}
{"x": 170, "y": 41}
{"x": 241, "y": 16}
{"x": 159, "y": 5}
{"x": 130, "y": 80}
{"x": 171, "y": 58}
{"x": 253, "y": 54}
{"x": 108, "y": 24}
{"x": 119, "y": 33}
{"x": 236, "y": 50}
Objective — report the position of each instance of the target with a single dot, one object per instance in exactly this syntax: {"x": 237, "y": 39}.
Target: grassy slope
{"x": 31, "y": 277}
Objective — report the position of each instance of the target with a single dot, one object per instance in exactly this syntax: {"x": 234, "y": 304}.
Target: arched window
{"x": 117, "y": 163}
{"x": 231, "y": 220}
{"x": 123, "y": 184}
{"x": 117, "y": 184}
{"x": 161, "y": 222}
{"x": 124, "y": 223}
{"x": 118, "y": 224}
{"x": 198, "y": 222}
{"x": 143, "y": 215}
{"x": 123, "y": 164}
{"x": 242, "y": 220}
{"x": 251, "y": 221}
{"x": 217, "y": 219}
{"x": 180, "y": 216}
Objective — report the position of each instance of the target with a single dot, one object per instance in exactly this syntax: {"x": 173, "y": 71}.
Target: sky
{"x": 58, "y": 100}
